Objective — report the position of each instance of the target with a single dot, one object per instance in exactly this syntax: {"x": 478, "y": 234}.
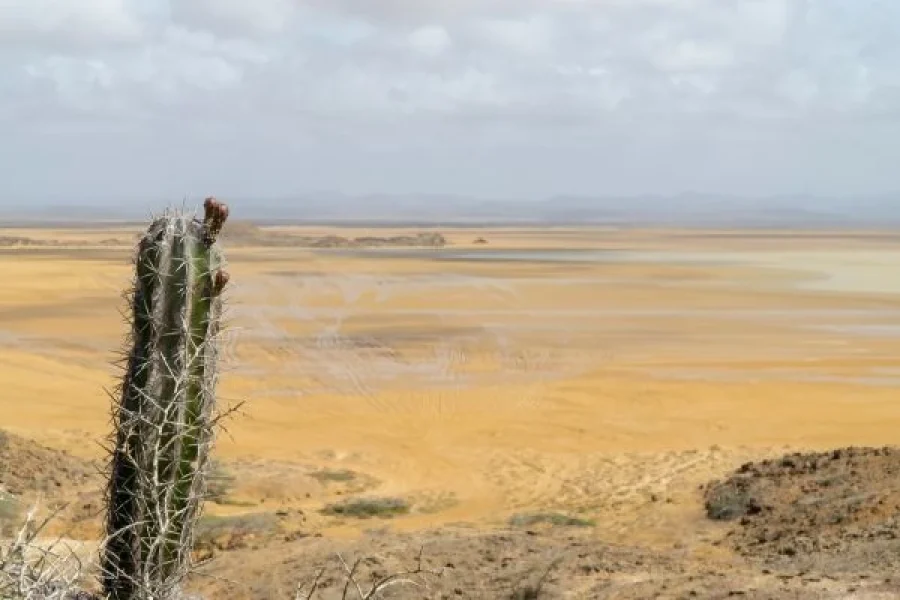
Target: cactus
{"x": 164, "y": 413}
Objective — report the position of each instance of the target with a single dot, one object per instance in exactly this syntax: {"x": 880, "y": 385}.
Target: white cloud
{"x": 692, "y": 55}
{"x": 533, "y": 35}
{"x": 235, "y": 17}
{"x": 573, "y": 76}
{"x": 430, "y": 40}
{"x": 77, "y": 22}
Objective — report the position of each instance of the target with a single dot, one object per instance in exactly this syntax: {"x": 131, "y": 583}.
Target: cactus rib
{"x": 164, "y": 417}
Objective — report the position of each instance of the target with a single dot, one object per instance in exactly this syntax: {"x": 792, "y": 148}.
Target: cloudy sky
{"x": 505, "y": 98}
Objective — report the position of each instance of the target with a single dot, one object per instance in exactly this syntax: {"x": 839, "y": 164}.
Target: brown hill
{"x": 27, "y": 467}
{"x": 836, "y": 511}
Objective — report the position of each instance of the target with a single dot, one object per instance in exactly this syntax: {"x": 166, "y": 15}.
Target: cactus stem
{"x": 164, "y": 417}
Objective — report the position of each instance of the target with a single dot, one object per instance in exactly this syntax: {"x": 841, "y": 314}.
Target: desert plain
{"x": 604, "y": 374}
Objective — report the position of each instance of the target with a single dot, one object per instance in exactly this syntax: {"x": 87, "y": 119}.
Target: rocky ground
{"x": 26, "y": 466}
{"x": 826, "y": 514}
{"x": 33, "y": 475}
{"x": 803, "y": 526}
{"x": 519, "y": 565}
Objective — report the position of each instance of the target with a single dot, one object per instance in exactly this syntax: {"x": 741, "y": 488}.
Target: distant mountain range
{"x": 447, "y": 210}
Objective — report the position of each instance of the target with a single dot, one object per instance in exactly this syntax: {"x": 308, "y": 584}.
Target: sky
{"x": 110, "y": 99}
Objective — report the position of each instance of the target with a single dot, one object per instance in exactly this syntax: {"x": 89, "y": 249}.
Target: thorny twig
{"x": 403, "y": 577}
{"x": 52, "y": 575}
{"x": 534, "y": 590}
{"x": 312, "y": 588}
{"x": 350, "y": 578}
{"x": 414, "y": 577}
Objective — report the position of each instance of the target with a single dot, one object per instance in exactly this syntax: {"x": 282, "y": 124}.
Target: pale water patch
{"x": 888, "y": 330}
{"x": 853, "y": 271}
{"x": 538, "y": 255}
{"x": 878, "y": 377}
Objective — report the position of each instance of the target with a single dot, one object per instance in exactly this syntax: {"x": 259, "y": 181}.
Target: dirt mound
{"x": 245, "y": 233}
{"x": 27, "y": 467}
{"x": 837, "y": 510}
{"x": 32, "y": 474}
{"x": 421, "y": 240}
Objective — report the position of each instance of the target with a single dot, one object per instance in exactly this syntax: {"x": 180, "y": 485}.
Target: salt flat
{"x": 482, "y": 386}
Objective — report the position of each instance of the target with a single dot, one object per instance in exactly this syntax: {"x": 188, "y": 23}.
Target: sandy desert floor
{"x": 587, "y": 371}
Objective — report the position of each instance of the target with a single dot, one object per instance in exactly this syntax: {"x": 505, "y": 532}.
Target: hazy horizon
{"x": 697, "y": 210}
{"x": 514, "y": 99}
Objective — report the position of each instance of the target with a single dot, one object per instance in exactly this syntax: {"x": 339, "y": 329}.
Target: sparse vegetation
{"x": 351, "y": 582}
{"x": 222, "y": 533}
{"x": 552, "y": 519}
{"x": 219, "y": 483}
{"x": 334, "y": 475}
{"x": 35, "y": 570}
{"x": 365, "y": 508}
{"x": 347, "y": 480}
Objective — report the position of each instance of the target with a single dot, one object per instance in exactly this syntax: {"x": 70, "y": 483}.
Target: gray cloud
{"x": 495, "y": 97}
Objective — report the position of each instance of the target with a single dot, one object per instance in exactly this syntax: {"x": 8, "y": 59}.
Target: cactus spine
{"x": 163, "y": 420}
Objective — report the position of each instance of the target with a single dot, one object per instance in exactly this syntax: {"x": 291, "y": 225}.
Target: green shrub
{"x": 364, "y": 508}
{"x": 219, "y": 483}
{"x": 334, "y": 475}
{"x": 549, "y": 518}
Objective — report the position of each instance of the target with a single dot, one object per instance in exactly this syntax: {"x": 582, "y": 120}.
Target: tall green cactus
{"x": 163, "y": 420}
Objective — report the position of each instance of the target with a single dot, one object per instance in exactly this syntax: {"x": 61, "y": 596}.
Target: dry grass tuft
{"x": 364, "y": 508}
{"x": 32, "y": 569}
